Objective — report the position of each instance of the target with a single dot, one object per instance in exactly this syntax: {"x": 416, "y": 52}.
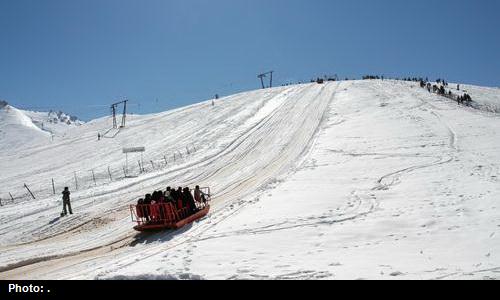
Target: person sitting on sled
{"x": 189, "y": 201}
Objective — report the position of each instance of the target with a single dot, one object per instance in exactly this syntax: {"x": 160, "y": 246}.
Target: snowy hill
{"x": 53, "y": 122}
{"x": 346, "y": 180}
{"x": 487, "y": 98}
{"x": 17, "y": 129}
{"x": 21, "y": 128}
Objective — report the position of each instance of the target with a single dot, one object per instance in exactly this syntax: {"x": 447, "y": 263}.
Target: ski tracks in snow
{"x": 393, "y": 178}
{"x": 294, "y": 124}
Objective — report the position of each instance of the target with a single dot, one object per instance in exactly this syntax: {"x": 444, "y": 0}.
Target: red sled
{"x": 163, "y": 216}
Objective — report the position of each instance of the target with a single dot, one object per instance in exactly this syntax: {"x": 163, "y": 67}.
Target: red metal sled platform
{"x": 157, "y": 217}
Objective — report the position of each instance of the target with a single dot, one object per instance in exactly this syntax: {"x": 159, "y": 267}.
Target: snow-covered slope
{"x": 487, "y": 98}
{"x": 22, "y": 128}
{"x": 56, "y": 123}
{"x": 17, "y": 129}
{"x": 360, "y": 179}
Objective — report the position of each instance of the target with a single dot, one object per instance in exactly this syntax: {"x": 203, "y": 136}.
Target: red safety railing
{"x": 167, "y": 214}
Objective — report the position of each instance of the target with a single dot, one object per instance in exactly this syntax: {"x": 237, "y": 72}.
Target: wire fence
{"x": 87, "y": 179}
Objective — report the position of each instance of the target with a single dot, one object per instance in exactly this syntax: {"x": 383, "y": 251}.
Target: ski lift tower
{"x": 264, "y": 75}
{"x": 114, "y": 106}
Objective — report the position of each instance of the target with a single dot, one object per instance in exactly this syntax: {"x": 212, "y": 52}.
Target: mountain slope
{"x": 17, "y": 129}
{"x": 368, "y": 179}
{"x": 56, "y": 123}
{"x": 22, "y": 128}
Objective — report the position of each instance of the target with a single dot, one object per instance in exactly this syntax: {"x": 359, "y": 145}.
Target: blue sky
{"x": 81, "y": 55}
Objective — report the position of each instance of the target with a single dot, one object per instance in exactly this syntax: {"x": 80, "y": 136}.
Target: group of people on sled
{"x": 162, "y": 205}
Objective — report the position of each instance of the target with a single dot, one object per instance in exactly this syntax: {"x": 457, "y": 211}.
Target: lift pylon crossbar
{"x": 114, "y": 106}
{"x": 264, "y": 75}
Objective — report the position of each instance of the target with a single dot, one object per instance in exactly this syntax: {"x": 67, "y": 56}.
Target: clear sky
{"x": 81, "y": 55}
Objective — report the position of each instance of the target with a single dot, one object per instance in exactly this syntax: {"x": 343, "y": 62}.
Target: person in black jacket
{"x": 189, "y": 201}
{"x": 66, "y": 202}
{"x": 181, "y": 203}
{"x": 147, "y": 208}
{"x": 173, "y": 197}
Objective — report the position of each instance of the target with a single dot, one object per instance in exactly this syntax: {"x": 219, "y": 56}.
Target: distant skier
{"x": 66, "y": 202}
{"x": 98, "y": 136}
{"x": 442, "y": 90}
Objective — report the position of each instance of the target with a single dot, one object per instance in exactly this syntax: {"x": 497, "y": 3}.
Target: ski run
{"x": 363, "y": 179}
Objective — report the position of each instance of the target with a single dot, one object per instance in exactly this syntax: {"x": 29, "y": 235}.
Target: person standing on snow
{"x": 66, "y": 202}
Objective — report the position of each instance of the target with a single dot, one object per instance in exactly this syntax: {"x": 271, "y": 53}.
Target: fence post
{"x": 166, "y": 162}
{"x": 93, "y": 177}
{"x": 109, "y": 172}
{"x": 124, "y": 171}
{"x": 53, "y": 187}
{"x": 11, "y": 197}
{"x": 152, "y": 164}
{"x": 174, "y": 157}
{"x": 76, "y": 181}
{"x": 29, "y": 191}
{"x": 1, "y": 202}
{"x": 187, "y": 150}
{"x": 140, "y": 168}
